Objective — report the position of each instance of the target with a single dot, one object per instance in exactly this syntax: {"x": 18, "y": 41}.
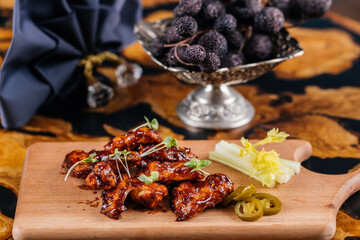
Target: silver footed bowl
{"x": 216, "y": 105}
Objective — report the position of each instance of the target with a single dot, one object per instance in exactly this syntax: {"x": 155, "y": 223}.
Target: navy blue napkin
{"x": 49, "y": 39}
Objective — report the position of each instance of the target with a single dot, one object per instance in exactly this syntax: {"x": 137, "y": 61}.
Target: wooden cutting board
{"x": 49, "y": 208}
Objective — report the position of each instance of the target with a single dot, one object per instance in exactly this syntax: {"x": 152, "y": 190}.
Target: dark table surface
{"x": 315, "y": 97}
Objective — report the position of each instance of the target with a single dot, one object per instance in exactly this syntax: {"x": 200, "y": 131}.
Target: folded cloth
{"x": 49, "y": 40}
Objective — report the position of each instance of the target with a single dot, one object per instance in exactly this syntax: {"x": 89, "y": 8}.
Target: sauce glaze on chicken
{"x": 191, "y": 194}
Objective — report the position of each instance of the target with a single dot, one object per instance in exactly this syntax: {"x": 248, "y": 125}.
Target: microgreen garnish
{"x": 166, "y": 143}
{"x": 197, "y": 164}
{"x": 169, "y": 141}
{"x": 120, "y": 156}
{"x": 152, "y": 125}
{"x": 89, "y": 159}
{"x": 154, "y": 176}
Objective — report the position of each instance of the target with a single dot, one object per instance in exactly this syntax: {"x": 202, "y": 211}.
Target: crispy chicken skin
{"x": 114, "y": 199}
{"x": 101, "y": 177}
{"x": 170, "y": 172}
{"x": 132, "y": 140}
{"x": 81, "y": 170}
{"x": 170, "y": 154}
{"x": 191, "y": 198}
{"x": 150, "y": 195}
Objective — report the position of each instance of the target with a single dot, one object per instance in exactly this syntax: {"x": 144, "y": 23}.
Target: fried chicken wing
{"x": 133, "y": 160}
{"x": 82, "y": 169}
{"x": 114, "y": 199}
{"x": 150, "y": 195}
{"x": 101, "y": 177}
{"x": 191, "y": 198}
{"x": 170, "y": 172}
{"x": 111, "y": 173}
{"x": 100, "y": 155}
{"x": 132, "y": 140}
{"x": 170, "y": 154}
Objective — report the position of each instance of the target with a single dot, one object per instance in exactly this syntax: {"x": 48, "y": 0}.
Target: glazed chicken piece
{"x": 100, "y": 155}
{"x": 132, "y": 140}
{"x": 170, "y": 154}
{"x": 101, "y": 177}
{"x": 133, "y": 160}
{"x": 170, "y": 172}
{"x": 81, "y": 170}
{"x": 191, "y": 198}
{"x": 150, "y": 195}
{"x": 114, "y": 199}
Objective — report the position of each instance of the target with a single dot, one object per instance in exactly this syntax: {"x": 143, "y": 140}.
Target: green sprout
{"x": 154, "y": 124}
{"x": 166, "y": 143}
{"x": 197, "y": 164}
{"x": 154, "y": 176}
{"x": 119, "y": 156}
{"x": 90, "y": 159}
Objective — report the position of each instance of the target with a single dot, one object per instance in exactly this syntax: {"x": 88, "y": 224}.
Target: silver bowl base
{"x": 215, "y": 107}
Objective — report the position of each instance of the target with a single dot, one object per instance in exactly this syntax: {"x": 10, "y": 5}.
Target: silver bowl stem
{"x": 215, "y": 107}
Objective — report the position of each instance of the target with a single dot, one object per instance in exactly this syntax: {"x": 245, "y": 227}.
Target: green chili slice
{"x": 247, "y": 192}
{"x": 272, "y": 205}
{"x": 239, "y": 194}
{"x": 250, "y": 209}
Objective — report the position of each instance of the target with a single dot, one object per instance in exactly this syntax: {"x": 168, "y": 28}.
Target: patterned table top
{"x": 315, "y": 97}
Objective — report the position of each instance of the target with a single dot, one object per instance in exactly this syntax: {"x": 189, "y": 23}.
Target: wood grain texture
{"x": 48, "y": 207}
{"x": 330, "y": 51}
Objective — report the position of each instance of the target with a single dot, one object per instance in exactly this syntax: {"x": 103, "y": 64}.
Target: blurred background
{"x": 348, "y": 8}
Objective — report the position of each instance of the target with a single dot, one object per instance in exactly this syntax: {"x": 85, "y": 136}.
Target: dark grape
{"x": 232, "y": 59}
{"x": 194, "y": 54}
{"x": 186, "y": 26}
{"x": 214, "y": 42}
{"x": 270, "y": 20}
{"x": 305, "y": 9}
{"x": 234, "y": 39}
{"x": 179, "y": 11}
{"x": 282, "y": 5}
{"x": 171, "y": 58}
{"x": 246, "y": 10}
{"x": 211, "y": 63}
{"x": 206, "y": 2}
{"x": 258, "y": 47}
{"x": 214, "y": 9}
{"x": 226, "y": 23}
{"x": 157, "y": 48}
{"x": 171, "y": 35}
{"x": 187, "y": 7}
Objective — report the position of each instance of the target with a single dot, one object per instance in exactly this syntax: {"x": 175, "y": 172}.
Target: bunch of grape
{"x": 207, "y": 35}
